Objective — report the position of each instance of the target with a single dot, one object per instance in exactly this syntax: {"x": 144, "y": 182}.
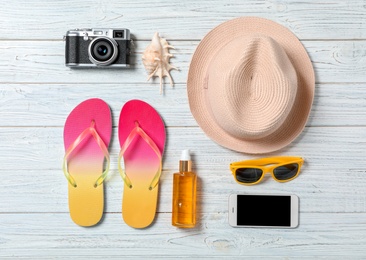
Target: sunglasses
{"x": 251, "y": 172}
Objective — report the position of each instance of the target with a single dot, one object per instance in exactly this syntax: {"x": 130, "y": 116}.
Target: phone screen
{"x": 263, "y": 210}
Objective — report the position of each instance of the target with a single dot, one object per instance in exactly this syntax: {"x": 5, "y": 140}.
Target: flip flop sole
{"x": 141, "y": 162}
{"x": 85, "y": 164}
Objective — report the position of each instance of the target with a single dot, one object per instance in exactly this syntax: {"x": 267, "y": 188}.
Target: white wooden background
{"x": 37, "y": 92}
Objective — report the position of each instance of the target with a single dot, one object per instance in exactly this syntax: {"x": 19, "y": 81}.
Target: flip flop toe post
{"x": 142, "y": 138}
{"x": 87, "y": 134}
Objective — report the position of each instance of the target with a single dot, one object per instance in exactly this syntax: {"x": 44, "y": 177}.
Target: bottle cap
{"x": 185, "y": 156}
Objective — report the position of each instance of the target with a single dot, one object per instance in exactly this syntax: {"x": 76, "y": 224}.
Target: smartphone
{"x": 273, "y": 211}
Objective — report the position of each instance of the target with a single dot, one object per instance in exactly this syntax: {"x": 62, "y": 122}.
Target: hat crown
{"x": 251, "y": 86}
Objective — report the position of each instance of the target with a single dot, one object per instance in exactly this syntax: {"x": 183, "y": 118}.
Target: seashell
{"x": 156, "y": 59}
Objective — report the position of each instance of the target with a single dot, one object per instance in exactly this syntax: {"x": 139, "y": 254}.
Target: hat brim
{"x": 197, "y": 94}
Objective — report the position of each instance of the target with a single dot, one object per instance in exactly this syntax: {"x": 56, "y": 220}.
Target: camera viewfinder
{"x": 118, "y": 34}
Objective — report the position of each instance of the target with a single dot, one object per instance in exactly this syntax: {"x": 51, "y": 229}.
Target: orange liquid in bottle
{"x": 184, "y": 199}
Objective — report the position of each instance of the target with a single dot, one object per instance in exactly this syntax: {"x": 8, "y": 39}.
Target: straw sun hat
{"x": 251, "y": 85}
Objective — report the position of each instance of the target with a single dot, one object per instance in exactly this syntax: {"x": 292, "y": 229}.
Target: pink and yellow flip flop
{"x": 87, "y": 134}
{"x": 142, "y": 138}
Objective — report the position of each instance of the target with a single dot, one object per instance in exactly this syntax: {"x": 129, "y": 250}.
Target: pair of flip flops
{"x": 87, "y": 134}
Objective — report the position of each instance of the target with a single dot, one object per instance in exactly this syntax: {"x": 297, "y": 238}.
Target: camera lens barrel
{"x": 103, "y": 51}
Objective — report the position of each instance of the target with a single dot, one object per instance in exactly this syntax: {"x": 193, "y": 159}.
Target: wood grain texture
{"x": 318, "y": 193}
{"x": 44, "y": 62}
{"x": 41, "y": 148}
{"x": 37, "y": 92}
{"x": 32, "y": 105}
{"x": 190, "y": 19}
{"x": 41, "y": 235}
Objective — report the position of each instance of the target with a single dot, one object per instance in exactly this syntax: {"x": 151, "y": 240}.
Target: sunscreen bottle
{"x": 184, "y": 194}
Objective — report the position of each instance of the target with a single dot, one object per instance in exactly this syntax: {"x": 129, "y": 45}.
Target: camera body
{"x": 105, "y": 48}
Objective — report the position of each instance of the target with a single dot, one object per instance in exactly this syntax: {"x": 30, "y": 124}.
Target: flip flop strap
{"x": 139, "y": 131}
{"x": 88, "y": 131}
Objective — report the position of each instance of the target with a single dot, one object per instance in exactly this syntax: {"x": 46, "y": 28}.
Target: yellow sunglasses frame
{"x": 267, "y": 165}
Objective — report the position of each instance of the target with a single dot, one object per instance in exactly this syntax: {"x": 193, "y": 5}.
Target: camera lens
{"x": 103, "y": 51}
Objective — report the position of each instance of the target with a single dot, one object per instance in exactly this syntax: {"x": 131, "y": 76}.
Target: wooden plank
{"x": 54, "y": 235}
{"x": 320, "y": 189}
{"x": 43, "y": 62}
{"x": 32, "y": 157}
{"x": 42, "y": 148}
{"x": 180, "y": 20}
{"x": 49, "y": 104}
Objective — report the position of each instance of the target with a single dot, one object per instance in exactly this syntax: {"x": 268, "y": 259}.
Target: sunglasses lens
{"x": 286, "y": 172}
{"x": 248, "y": 175}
